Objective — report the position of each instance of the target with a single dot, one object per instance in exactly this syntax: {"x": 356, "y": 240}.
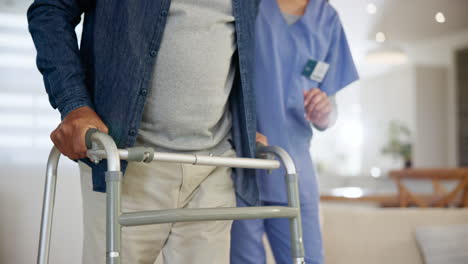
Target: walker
{"x": 101, "y": 146}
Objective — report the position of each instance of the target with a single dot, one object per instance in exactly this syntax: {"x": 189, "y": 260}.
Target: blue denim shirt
{"x": 111, "y": 70}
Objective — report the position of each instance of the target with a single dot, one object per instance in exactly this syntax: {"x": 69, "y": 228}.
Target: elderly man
{"x": 174, "y": 76}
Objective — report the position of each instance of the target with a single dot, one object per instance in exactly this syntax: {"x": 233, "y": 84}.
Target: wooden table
{"x": 382, "y": 200}
{"x": 440, "y": 196}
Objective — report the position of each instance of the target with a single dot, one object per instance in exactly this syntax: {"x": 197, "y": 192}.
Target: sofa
{"x": 361, "y": 235}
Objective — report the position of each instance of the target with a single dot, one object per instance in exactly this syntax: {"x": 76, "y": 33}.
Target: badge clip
{"x": 315, "y": 70}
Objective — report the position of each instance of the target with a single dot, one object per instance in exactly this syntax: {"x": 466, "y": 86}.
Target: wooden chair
{"x": 440, "y": 196}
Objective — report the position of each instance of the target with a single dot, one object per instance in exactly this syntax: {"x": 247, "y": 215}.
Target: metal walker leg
{"x": 48, "y": 207}
{"x": 295, "y": 223}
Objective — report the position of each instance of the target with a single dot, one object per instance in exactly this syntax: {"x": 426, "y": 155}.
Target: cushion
{"x": 443, "y": 244}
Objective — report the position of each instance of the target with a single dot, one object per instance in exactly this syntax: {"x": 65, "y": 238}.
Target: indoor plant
{"x": 399, "y": 142}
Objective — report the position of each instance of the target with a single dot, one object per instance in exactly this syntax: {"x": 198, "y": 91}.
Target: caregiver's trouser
{"x": 247, "y": 244}
{"x": 158, "y": 185}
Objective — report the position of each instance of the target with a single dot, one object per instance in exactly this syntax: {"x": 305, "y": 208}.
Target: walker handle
{"x": 89, "y": 133}
{"x": 259, "y": 147}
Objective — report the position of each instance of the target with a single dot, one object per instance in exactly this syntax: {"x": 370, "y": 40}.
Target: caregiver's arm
{"x": 320, "y": 109}
{"x": 262, "y": 139}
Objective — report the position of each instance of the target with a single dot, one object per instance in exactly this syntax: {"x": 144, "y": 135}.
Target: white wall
{"x": 431, "y": 141}
{"x": 416, "y": 96}
{"x": 26, "y": 120}
{"x": 421, "y": 94}
{"x": 385, "y": 97}
{"x": 440, "y": 52}
{"x": 21, "y": 190}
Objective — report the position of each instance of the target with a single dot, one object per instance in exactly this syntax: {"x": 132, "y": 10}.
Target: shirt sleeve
{"x": 342, "y": 70}
{"x": 52, "y": 26}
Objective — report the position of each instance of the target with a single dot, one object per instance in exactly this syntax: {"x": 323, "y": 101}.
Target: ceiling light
{"x": 440, "y": 17}
{"x": 371, "y": 8}
{"x": 385, "y": 54}
{"x": 380, "y": 37}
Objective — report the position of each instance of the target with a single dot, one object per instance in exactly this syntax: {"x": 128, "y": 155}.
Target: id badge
{"x": 315, "y": 70}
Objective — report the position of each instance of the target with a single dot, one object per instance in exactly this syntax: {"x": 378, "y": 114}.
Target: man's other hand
{"x": 69, "y": 136}
{"x": 318, "y": 107}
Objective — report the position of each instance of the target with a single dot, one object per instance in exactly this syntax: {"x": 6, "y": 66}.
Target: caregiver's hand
{"x": 318, "y": 107}
{"x": 69, "y": 136}
{"x": 260, "y": 138}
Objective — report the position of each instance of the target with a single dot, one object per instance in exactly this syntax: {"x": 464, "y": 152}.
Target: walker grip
{"x": 89, "y": 133}
{"x": 260, "y": 154}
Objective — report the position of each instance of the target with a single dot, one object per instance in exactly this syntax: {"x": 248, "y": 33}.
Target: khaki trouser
{"x": 156, "y": 186}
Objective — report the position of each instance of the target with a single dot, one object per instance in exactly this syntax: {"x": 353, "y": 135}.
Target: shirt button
{"x": 132, "y": 132}
{"x": 164, "y": 13}
{"x": 144, "y": 92}
{"x": 153, "y": 53}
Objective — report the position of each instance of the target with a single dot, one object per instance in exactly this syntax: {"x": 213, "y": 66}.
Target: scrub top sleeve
{"x": 342, "y": 70}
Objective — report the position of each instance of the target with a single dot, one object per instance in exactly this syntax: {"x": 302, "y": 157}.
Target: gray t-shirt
{"x": 187, "y": 106}
{"x": 290, "y": 18}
